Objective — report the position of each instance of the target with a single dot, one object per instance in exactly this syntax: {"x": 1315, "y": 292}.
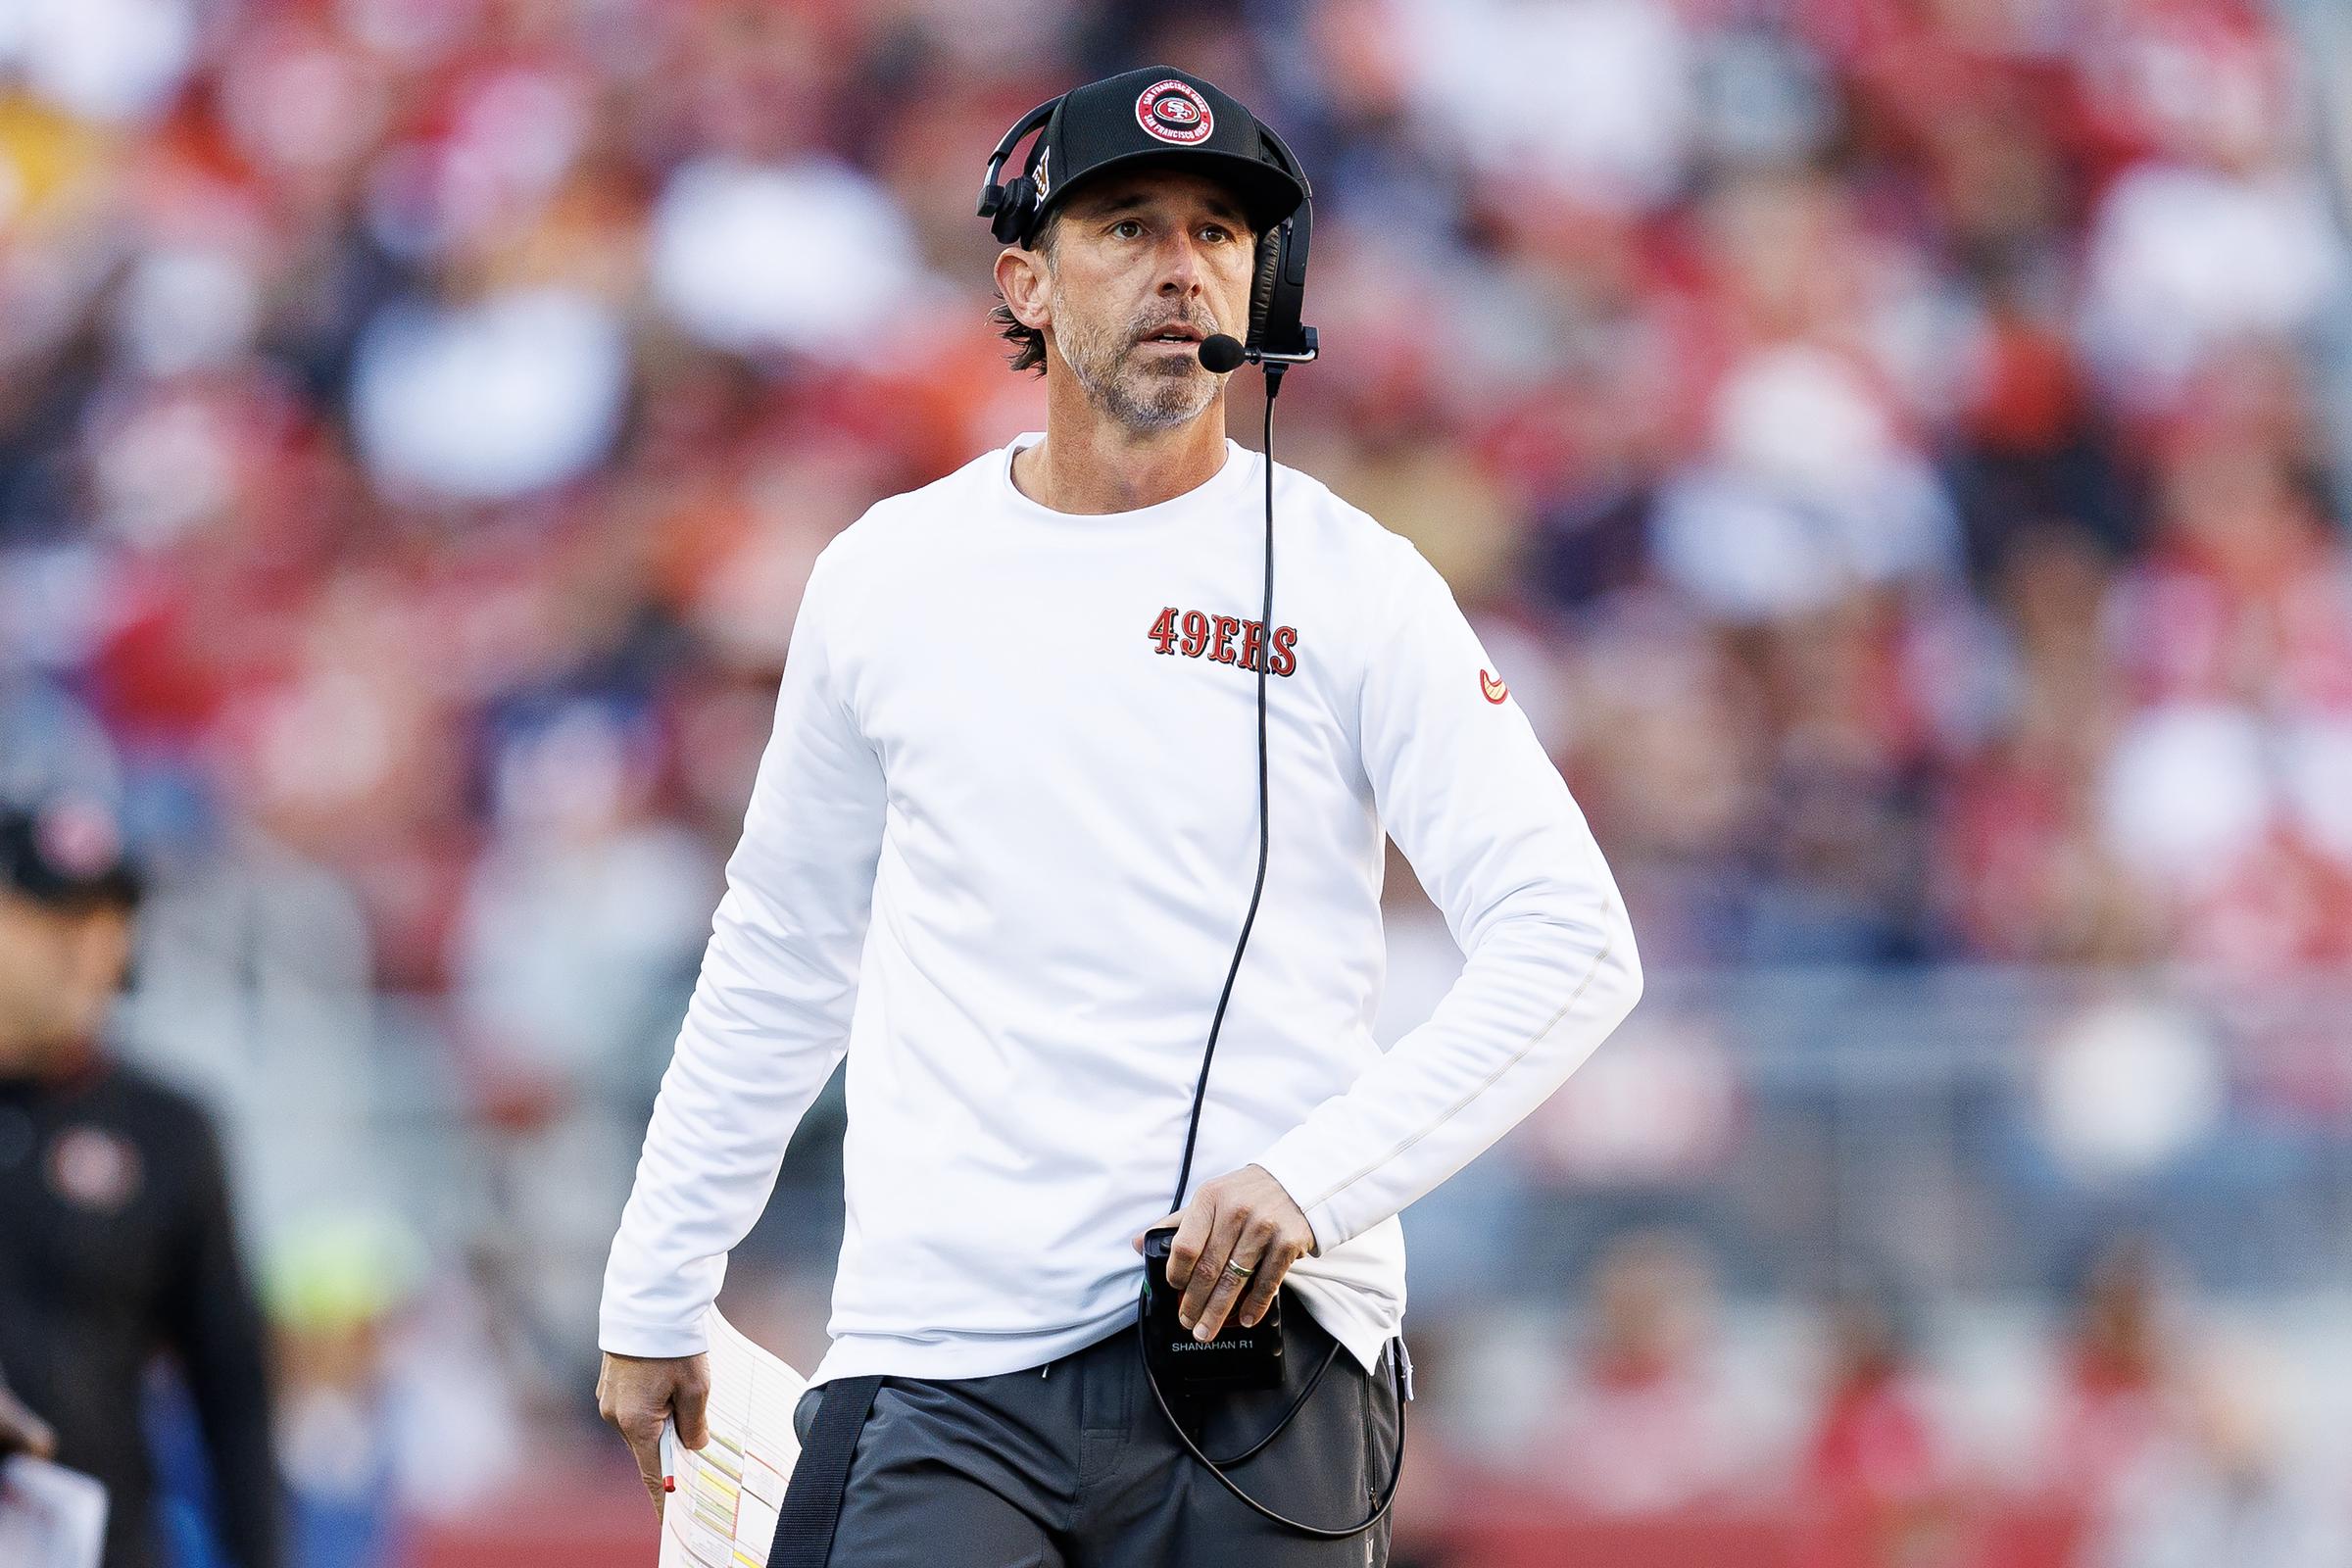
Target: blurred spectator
{"x": 576, "y": 941}
{"x": 1644, "y": 1422}
{"x": 2223, "y": 1487}
{"x": 117, "y": 1246}
{"x": 394, "y": 1406}
{"x": 368, "y": 368}
{"x": 1879, "y": 1481}
{"x": 2120, "y": 1391}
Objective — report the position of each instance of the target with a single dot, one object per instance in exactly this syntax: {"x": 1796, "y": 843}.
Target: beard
{"x": 1141, "y": 390}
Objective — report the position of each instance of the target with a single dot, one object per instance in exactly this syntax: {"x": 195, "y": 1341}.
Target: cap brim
{"x": 1269, "y": 195}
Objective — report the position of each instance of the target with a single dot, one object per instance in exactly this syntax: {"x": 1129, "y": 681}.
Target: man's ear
{"x": 1022, "y": 279}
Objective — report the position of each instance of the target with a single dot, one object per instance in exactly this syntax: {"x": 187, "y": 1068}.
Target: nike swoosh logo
{"x": 1495, "y": 690}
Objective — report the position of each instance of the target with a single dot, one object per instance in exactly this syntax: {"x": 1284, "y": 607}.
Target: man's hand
{"x": 634, "y": 1392}
{"x": 1246, "y": 1217}
{"x": 23, "y": 1432}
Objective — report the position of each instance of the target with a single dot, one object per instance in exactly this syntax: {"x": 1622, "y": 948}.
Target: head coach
{"x": 1036, "y": 727}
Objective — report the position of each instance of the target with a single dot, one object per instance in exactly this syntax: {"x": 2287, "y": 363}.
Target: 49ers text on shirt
{"x": 1224, "y": 639}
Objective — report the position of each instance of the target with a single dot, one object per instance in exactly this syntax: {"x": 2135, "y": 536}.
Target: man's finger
{"x": 1249, "y": 1252}
{"x": 1161, "y": 1223}
{"x": 690, "y": 1404}
{"x": 1262, "y": 1284}
{"x": 1209, "y": 1267}
{"x": 645, "y": 1444}
{"x": 1192, "y": 1235}
{"x": 1212, "y": 1279}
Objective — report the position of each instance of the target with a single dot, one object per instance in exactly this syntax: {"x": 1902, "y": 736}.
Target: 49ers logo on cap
{"x": 1173, "y": 110}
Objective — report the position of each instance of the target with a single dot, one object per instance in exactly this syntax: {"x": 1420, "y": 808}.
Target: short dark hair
{"x": 1028, "y": 343}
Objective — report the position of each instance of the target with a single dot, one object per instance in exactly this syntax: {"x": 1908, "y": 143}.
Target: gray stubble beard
{"x": 1145, "y": 396}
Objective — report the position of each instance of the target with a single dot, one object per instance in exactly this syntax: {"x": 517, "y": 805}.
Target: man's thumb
{"x": 1159, "y": 1224}
{"x": 691, "y": 1412}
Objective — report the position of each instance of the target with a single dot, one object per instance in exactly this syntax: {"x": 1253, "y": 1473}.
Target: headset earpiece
{"x": 1262, "y": 285}
{"x": 1011, "y": 207}
{"x": 1278, "y": 291}
{"x": 1017, "y": 206}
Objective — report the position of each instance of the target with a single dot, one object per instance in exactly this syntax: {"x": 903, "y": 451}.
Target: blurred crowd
{"x": 1886, "y": 440}
{"x": 1895, "y": 448}
{"x": 2134, "y": 1428}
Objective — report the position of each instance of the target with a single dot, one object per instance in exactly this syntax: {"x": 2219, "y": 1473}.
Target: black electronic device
{"x": 1237, "y": 1357}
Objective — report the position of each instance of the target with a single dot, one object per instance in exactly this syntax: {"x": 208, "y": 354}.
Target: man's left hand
{"x": 1246, "y": 1218}
{"x": 23, "y": 1432}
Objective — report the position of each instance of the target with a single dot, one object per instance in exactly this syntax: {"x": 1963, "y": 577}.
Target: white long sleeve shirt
{"x": 999, "y": 849}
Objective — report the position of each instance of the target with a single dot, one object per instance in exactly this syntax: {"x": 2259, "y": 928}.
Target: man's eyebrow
{"x": 1220, "y": 207}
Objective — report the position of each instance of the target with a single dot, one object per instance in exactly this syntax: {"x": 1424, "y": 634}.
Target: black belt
{"x": 812, "y": 1507}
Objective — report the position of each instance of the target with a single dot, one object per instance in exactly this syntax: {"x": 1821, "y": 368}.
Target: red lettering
{"x": 1163, "y": 630}
{"x": 1227, "y": 626}
{"x": 1196, "y": 633}
{"x": 1254, "y": 638}
{"x": 1286, "y": 638}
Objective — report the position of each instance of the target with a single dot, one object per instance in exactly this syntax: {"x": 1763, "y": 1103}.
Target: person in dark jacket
{"x": 116, "y": 1240}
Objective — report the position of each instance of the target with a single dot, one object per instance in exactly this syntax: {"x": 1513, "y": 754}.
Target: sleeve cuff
{"x": 1298, "y": 1178}
{"x": 651, "y": 1341}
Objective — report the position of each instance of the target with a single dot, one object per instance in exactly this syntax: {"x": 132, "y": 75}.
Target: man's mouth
{"x": 1175, "y": 332}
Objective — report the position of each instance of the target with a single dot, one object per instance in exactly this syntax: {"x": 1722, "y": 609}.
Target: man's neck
{"x": 1091, "y": 463}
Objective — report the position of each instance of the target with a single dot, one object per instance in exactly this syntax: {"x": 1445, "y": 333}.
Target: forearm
{"x": 1537, "y": 997}
{"x": 1467, "y": 790}
{"x": 226, "y": 1349}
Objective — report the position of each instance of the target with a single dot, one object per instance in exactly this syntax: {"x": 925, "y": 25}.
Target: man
{"x": 1017, "y": 735}
{"x": 115, "y": 1241}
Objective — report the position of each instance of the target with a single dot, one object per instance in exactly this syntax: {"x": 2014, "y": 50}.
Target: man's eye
{"x": 1213, "y": 231}
{"x": 1127, "y": 228}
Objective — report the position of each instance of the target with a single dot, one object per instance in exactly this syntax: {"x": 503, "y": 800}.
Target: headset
{"x": 1277, "y": 341}
{"x": 1277, "y": 338}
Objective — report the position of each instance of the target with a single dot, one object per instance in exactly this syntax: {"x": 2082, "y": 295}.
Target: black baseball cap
{"x": 68, "y": 854}
{"x": 1160, "y": 115}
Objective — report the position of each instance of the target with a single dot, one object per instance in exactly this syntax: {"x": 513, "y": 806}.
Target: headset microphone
{"x": 1221, "y": 354}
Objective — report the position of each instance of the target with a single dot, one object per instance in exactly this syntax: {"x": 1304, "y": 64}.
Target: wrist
{"x": 1314, "y": 1247}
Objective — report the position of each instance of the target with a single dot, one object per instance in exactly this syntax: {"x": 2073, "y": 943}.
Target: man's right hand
{"x": 23, "y": 1432}
{"x": 635, "y": 1392}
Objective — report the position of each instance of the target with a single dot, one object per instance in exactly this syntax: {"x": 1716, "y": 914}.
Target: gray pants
{"x": 1072, "y": 1465}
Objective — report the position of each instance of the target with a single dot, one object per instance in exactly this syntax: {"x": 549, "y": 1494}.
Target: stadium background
{"x": 1895, "y": 449}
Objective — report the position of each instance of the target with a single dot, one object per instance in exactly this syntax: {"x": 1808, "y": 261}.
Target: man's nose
{"x": 1180, "y": 267}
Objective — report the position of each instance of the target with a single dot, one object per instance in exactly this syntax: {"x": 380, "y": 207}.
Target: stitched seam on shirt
{"x": 1516, "y": 1056}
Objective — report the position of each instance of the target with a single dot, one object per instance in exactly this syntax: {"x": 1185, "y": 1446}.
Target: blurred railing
{"x": 1952, "y": 1132}
{"x": 1960, "y": 1143}
{"x": 1968, "y": 1132}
